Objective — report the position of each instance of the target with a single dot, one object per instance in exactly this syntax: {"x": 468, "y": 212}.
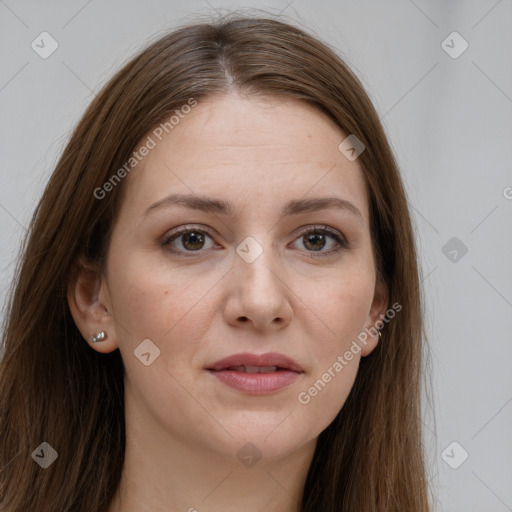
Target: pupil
{"x": 310, "y": 238}
{"x": 193, "y": 239}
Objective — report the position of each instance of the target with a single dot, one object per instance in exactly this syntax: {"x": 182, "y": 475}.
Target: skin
{"x": 184, "y": 427}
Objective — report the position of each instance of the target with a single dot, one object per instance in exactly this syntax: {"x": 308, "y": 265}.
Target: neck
{"x": 162, "y": 471}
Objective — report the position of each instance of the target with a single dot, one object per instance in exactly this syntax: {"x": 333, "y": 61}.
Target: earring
{"x": 380, "y": 335}
{"x": 101, "y": 336}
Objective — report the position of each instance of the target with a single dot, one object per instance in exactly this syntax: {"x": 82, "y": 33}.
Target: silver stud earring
{"x": 101, "y": 336}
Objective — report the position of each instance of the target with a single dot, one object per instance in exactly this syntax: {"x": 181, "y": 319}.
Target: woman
{"x": 218, "y": 304}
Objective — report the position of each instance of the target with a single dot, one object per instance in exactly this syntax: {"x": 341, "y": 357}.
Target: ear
{"x": 377, "y": 312}
{"x": 90, "y": 306}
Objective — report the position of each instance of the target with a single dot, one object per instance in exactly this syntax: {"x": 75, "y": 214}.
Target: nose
{"x": 259, "y": 297}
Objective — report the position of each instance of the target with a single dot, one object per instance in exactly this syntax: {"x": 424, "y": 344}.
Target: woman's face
{"x": 250, "y": 177}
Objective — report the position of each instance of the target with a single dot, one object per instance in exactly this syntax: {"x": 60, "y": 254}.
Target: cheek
{"x": 341, "y": 303}
{"x": 165, "y": 306}
{"x": 322, "y": 396}
{"x": 160, "y": 303}
{"x": 343, "y": 307}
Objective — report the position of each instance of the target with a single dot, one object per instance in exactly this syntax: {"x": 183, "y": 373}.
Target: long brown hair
{"x": 55, "y": 389}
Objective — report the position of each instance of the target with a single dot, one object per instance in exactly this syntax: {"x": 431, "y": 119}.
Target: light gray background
{"x": 449, "y": 121}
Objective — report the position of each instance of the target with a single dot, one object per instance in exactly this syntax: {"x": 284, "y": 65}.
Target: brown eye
{"x": 192, "y": 241}
{"x": 187, "y": 240}
{"x": 314, "y": 242}
{"x": 318, "y": 238}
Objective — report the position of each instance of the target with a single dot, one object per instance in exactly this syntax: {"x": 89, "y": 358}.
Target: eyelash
{"x": 324, "y": 230}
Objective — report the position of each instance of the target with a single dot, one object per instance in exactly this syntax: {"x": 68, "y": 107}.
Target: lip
{"x": 268, "y": 359}
{"x": 288, "y": 371}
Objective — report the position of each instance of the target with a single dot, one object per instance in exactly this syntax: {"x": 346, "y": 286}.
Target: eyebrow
{"x": 217, "y": 206}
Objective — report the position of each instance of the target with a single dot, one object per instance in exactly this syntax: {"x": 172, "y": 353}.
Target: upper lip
{"x": 248, "y": 359}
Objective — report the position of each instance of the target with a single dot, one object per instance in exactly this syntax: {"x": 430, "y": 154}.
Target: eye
{"x": 315, "y": 239}
{"x": 187, "y": 239}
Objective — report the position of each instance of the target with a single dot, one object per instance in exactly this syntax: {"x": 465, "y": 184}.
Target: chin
{"x": 268, "y": 439}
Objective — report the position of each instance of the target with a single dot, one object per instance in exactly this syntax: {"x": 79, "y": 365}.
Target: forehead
{"x": 231, "y": 146}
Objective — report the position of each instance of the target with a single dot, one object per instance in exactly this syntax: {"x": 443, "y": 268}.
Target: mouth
{"x": 252, "y": 363}
{"x": 256, "y": 374}
{"x": 253, "y": 369}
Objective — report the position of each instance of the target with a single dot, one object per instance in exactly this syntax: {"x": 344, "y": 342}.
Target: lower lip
{"x": 256, "y": 383}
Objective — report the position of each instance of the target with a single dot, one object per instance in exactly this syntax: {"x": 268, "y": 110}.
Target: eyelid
{"x": 323, "y": 228}
{"x": 185, "y": 229}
